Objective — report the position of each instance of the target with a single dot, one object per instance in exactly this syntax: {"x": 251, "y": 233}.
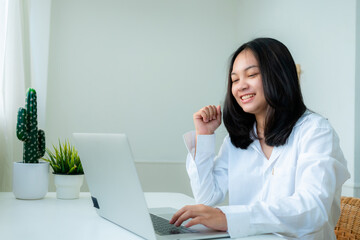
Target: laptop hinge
{"x": 95, "y": 202}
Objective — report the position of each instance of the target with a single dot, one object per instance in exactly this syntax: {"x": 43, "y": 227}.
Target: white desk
{"x": 55, "y": 219}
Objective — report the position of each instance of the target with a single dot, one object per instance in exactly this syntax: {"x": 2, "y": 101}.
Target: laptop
{"x": 116, "y": 191}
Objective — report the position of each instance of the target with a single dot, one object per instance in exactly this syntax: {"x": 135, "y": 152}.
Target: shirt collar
{"x": 277, "y": 150}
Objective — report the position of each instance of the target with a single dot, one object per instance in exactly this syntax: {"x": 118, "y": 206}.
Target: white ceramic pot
{"x": 30, "y": 180}
{"x": 68, "y": 186}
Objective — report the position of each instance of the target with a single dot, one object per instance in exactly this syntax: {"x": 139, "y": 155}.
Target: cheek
{"x": 262, "y": 95}
{"x": 260, "y": 87}
{"x": 233, "y": 90}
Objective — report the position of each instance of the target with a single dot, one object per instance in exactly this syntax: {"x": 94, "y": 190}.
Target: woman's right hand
{"x": 207, "y": 120}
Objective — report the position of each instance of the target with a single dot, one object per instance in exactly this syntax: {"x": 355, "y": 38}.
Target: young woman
{"x": 281, "y": 163}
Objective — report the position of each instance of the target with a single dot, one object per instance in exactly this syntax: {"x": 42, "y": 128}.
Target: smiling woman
{"x": 247, "y": 87}
{"x": 281, "y": 164}
{"x": 267, "y": 67}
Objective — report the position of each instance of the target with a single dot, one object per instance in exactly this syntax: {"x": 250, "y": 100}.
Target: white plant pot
{"x": 30, "y": 180}
{"x": 68, "y": 186}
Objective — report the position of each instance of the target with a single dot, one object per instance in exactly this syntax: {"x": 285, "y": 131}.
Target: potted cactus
{"x": 67, "y": 169}
{"x": 30, "y": 177}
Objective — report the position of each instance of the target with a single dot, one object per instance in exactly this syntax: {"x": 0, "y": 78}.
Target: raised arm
{"x": 206, "y": 121}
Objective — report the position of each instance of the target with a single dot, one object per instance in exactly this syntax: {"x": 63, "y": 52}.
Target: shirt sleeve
{"x": 208, "y": 174}
{"x": 320, "y": 172}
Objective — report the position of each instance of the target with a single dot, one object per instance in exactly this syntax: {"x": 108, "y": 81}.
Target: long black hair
{"x": 282, "y": 93}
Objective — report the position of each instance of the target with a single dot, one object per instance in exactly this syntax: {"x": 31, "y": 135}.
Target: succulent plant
{"x": 64, "y": 160}
{"x": 27, "y": 130}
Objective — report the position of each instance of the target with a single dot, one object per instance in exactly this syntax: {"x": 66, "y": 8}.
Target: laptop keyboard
{"x": 163, "y": 227}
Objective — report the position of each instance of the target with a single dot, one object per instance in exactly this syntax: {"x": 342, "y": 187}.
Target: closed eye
{"x": 253, "y": 75}
{"x": 235, "y": 80}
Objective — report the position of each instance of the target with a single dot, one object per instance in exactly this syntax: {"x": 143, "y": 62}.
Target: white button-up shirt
{"x": 296, "y": 193}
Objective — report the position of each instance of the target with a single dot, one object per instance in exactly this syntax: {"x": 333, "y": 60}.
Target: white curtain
{"x": 24, "y": 50}
{"x": 3, "y": 24}
{"x": 12, "y": 85}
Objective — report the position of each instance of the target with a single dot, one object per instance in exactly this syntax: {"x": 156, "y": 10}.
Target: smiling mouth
{"x": 245, "y": 97}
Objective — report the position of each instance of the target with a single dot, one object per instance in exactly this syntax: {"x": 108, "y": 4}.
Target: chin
{"x": 252, "y": 108}
{"x": 247, "y": 109}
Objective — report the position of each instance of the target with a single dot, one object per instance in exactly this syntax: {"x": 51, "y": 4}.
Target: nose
{"x": 242, "y": 85}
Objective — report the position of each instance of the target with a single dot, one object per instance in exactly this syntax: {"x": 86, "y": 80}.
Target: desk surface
{"x": 52, "y": 218}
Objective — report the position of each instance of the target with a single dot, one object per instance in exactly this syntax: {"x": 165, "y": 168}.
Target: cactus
{"x": 27, "y": 130}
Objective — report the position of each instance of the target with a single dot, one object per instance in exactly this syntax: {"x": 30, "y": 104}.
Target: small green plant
{"x": 28, "y": 132}
{"x": 64, "y": 159}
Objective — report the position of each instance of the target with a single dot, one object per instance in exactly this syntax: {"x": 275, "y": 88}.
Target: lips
{"x": 247, "y": 97}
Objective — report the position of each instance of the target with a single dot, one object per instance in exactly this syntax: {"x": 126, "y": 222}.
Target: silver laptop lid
{"x": 113, "y": 182}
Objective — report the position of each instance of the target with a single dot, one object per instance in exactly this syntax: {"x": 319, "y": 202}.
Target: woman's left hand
{"x": 201, "y": 214}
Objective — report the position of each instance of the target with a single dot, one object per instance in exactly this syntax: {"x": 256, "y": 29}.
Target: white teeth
{"x": 247, "y": 96}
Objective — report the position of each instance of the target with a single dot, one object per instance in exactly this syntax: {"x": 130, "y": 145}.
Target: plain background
{"x": 144, "y": 67}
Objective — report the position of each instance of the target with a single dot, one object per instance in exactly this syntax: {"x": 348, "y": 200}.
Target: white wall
{"x": 321, "y": 37}
{"x": 357, "y": 102}
{"x": 39, "y": 30}
{"x": 143, "y": 67}
{"x": 139, "y": 67}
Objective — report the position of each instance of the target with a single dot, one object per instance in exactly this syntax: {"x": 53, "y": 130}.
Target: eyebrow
{"x": 252, "y": 66}
{"x": 247, "y": 68}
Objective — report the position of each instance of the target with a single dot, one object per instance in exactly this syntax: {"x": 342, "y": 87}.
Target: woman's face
{"x": 247, "y": 87}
